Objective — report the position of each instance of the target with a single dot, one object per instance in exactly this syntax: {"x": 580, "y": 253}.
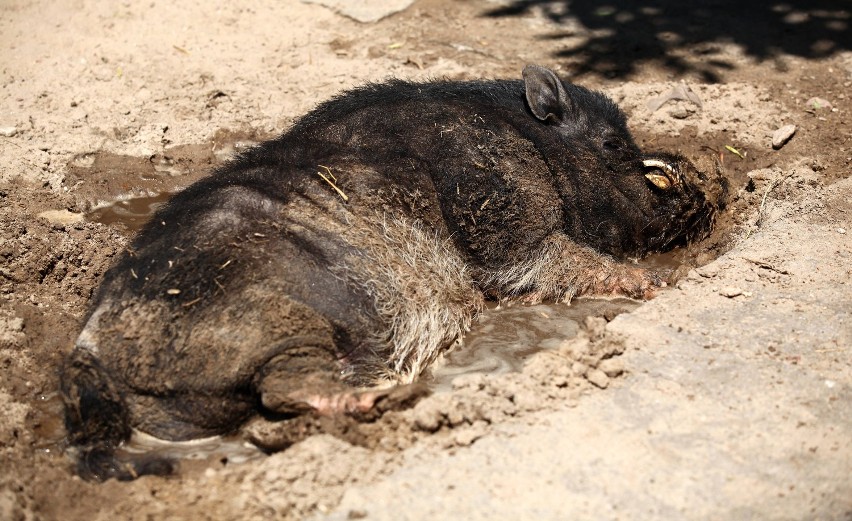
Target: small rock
{"x": 8, "y": 131}
{"x": 782, "y": 135}
{"x": 595, "y": 326}
{"x": 681, "y": 113}
{"x": 575, "y": 348}
{"x": 818, "y": 104}
{"x": 611, "y": 367}
{"x": 427, "y": 416}
{"x": 466, "y": 437}
{"x": 598, "y": 378}
{"x": 841, "y": 231}
{"x": 730, "y": 292}
{"x": 709, "y": 271}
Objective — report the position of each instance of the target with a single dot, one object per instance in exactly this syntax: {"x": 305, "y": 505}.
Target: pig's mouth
{"x": 661, "y": 174}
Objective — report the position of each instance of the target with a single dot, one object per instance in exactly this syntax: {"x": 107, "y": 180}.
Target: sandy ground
{"x": 728, "y": 396}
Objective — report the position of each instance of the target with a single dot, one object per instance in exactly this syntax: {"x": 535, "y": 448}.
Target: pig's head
{"x": 614, "y": 197}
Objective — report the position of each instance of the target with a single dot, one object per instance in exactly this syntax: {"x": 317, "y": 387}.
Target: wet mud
{"x": 506, "y": 335}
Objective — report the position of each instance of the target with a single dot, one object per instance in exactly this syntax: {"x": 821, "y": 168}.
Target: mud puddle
{"x": 99, "y": 179}
{"x": 46, "y": 423}
{"x": 503, "y": 337}
{"x": 130, "y": 214}
{"x": 225, "y": 450}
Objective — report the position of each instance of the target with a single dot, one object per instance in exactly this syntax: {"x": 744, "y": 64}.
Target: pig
{"x": 350, "y": 251}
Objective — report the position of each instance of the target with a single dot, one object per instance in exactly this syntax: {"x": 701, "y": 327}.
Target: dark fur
{"x": 260, "y": 285}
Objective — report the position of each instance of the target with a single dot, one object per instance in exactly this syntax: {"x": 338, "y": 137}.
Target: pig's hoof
{"x": 367, "y": 405}
{"x": 339, "y": 414}
{"x": 532, "y": 298}
{"x": 636, "y": 283}
{"x": 361, "y": 405}
{"x": 401, "y": 397}
{"x": 643, "y": 283}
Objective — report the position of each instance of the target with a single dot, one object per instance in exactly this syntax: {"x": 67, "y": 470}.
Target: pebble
{"x": 598, "y": 378}
{"x": 681, "y": 113}
{"x": 427, "y": 416}
{"x": 611, "y": 367}
{"x": 730, "y": 292}
{"x": 841, "y": 231}
{"x": 818, "y": 103}
{"x": 8, "y": 131}
{"x": 709, "y": 271}
{"x": 782, "y": 135}
{"x": 466, "y": 437}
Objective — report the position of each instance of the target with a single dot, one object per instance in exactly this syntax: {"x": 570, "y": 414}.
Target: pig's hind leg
{"x": 307, "y": 380}
{"x": 303, "y": 394}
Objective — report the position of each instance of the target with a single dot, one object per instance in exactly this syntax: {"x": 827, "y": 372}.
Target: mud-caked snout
{"x": 662, "y": 174}
{"x": 687, "y": 198}
{"x": 678, "y": 177}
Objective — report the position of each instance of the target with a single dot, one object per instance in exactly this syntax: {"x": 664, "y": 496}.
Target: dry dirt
{"x": 728, "y": 396}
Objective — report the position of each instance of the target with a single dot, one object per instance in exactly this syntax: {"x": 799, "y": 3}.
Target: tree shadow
{"x": 616, "y": 37}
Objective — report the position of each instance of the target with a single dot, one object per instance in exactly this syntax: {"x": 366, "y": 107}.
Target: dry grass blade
{"x": 734, "y": 151}
{"x": 330, "y": 179}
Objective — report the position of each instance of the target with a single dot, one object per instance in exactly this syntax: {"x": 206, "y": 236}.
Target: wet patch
{"x": 503, "y": 337}
{"x": 130, "y": 214}
{"x": 200, "y": 453}
{"x": 100, "y": 178}
{"x": 708, "y": 151}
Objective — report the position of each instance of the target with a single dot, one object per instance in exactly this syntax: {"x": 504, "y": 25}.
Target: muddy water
{"x": 201, "y": 452}
{"x": 129, "y": 214}
{"x": 504, "y": 336}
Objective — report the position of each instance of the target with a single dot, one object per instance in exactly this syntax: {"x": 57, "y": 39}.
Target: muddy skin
{"x": 351, "y": 250}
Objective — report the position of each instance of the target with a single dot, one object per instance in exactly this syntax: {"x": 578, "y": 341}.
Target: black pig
{"x": 355, "y": 247}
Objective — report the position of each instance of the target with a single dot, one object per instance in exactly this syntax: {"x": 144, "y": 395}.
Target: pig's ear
{"x": 545, "y": 94}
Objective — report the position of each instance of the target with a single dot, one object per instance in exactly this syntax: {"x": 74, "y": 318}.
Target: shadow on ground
{"x": 619, "y": 36}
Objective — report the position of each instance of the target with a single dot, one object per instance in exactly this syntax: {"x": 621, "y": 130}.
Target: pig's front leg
{"x": 562, "y": 269}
